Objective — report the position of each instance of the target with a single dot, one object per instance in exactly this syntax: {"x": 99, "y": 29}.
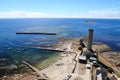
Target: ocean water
{"x": 15, "y": 47}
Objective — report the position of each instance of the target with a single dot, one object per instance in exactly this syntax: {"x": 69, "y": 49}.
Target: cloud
{"x": 106, "y": 13}
{"x": 24, "y": 14}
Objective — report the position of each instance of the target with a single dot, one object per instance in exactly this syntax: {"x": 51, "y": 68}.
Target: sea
{"x": 15, "y": 48}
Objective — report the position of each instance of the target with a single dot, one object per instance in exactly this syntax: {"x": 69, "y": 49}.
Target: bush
{"x": 96, "y": 65}
{"x": 108, "y": 78}
{"x": 79, "y": 48}
{"x": 110, "y": 69}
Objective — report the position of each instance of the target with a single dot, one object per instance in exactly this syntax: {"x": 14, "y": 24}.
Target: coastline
{"x": 65, "y": 63}
{"x": 48, "y": 62}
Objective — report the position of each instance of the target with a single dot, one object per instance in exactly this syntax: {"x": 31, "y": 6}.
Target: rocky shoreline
{"x": 64, "y": 44}
{"x": 112, "y": 56}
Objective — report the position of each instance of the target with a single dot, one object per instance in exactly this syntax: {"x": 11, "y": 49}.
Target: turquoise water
{"x": 15, "y": 47}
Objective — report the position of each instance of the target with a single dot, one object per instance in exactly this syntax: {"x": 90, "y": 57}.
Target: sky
{"x": 60, "y": 9}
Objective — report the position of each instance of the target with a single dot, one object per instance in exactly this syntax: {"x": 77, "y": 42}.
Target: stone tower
{"x": 90, "y": 39}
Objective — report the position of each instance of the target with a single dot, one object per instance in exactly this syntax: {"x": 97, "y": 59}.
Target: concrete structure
{"x": 87, "y": 53}
{"x": 81, "y": 41}
{"x": 81, "y": 44}
{"x": 90, "y": 38}
{"x": 88, "y": 66}
{"x": 92, "y": 59}
{"x": 101, "y": 74}
{"x": 83, "y": 59}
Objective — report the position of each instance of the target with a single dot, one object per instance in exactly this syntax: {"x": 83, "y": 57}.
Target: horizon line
{"x": 58, "y": 18}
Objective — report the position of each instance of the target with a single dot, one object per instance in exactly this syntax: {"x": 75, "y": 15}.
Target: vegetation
{"x": 96, "y": 65}
{"x": 110, "y": 69}
{"x": 80, "y": 48}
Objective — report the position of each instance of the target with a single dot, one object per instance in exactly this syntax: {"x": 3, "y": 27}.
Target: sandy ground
{"x": 61, "y": 68}
{"x": 64, "y": 66}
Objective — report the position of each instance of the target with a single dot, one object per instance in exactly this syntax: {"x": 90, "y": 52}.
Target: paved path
{"x": 81, "y": 72}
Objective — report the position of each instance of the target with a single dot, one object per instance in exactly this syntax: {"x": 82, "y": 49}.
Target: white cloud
{"x": 106, "y": 13}
{"x": 24, "y": 14}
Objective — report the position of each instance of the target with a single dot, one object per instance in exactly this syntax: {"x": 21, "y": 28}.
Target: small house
{"x": 88, "y": 54}
{"x": 92, "y": 59}
{"x": 101, "y": 74}
{"x": 83, "y": 59}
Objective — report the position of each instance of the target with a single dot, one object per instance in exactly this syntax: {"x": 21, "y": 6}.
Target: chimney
{"x": 90, "y": 38}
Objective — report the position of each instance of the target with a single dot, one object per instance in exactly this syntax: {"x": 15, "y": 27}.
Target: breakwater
{"x": 44, "y": 33}
{"x": 50, "y": 49}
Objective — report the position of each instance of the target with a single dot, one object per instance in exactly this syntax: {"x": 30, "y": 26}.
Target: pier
{"x": 50, "y": 49}
{"x": 43, "y": 33}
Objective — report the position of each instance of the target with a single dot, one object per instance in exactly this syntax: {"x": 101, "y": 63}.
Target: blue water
{"x": 105, "y": 30}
